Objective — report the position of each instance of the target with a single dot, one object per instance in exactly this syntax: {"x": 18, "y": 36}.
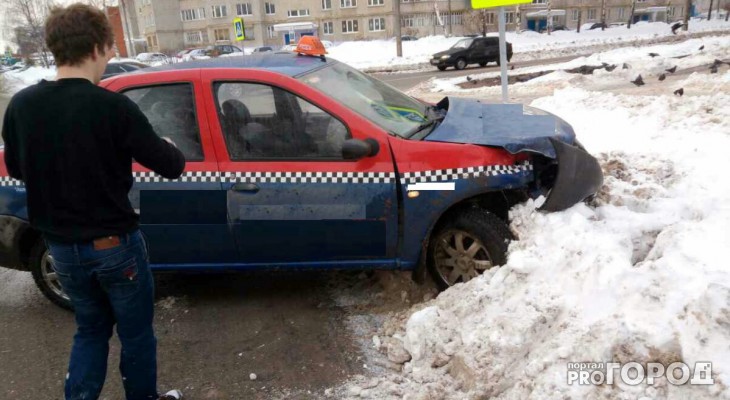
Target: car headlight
{"x": 445, "y": 57}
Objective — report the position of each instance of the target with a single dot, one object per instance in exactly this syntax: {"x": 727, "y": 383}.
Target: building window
{"x": 222, "y": 34}
{"x": 270, "y": 8}
{"x": 244, "y": 9}
{"x": 219, "y": 11}
{"x": 591, "y": 14}
{"x": 509, "y": 17}
{"x": 196, "y": 37}
{"x": 621, "y": 13}
{"x": 372, "y": 3}
{"x": 491, "y": 18}
{"x": 349, "y": 26}
{"x": 298, "y": 13}
{"x": 406, "y": 21}
{"x": 328, "y": 28}
{"x": 539, "y": 1}
{"x": 193, "y": 14}
{"x": 270, "y": 32}
{"x": 149, "y": 20}
{"x": 348, "y": 3}
{"x": 326, "y": 4}
{"x": 574, "y": 13}
{"x": 376, "y": 24}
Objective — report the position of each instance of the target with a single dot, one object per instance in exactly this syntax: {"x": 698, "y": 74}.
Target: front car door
{"x": 478, "y": 51}
{"x": 292, "y": 198}
{"x": 183, "y": 220}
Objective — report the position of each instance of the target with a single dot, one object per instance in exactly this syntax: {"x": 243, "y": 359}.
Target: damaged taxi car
{"x": 300, "y": 161}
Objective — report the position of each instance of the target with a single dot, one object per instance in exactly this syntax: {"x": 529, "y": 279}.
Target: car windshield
{"x": 462, "y": 44}
{"x": 380, "y": 103}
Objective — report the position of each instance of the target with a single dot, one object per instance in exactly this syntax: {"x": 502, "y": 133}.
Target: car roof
{"x": 284, "y": 63}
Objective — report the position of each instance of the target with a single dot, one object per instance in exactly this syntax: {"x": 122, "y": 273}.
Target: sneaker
{"x": 172, "y": 395}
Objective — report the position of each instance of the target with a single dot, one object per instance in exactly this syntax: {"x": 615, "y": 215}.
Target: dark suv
{"x": 479, "y": 50}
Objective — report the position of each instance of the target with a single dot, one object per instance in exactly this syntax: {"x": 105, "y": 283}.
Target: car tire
{"x": 41, "y": 268}
{"x": 477, "y": 227}
{"x": 441, "y": 67}
{"x": 482, "y": 64}
{"x": 460, "y": 64}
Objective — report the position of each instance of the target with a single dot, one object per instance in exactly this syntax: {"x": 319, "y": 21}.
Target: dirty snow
{"x": 640, "y": 274}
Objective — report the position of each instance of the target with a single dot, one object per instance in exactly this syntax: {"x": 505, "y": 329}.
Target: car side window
{"x": 171, "y": 111}
{"x": 260, "y": 121}
{"x": 479, "y": 44}
{"x": 492, "y": 42}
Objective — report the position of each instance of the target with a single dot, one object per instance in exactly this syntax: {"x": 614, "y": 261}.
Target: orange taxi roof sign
{"x": 311, "y": 46}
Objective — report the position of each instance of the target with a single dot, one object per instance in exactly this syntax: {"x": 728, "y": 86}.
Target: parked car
{"x": 262, "y": 49}
{"x": 304, "y": 162}
{"x": 116, "y": 68}
{"x": 597, "y": 25}
{"x": 222, "y": 50}
{"x": 554, "y": 28}
{"x": 327, "y": 44}
{"x": 180, "y": 54}
{"x": 152, "y": 57}
{"x": 196, "y": 54}
{"x": 408, "y": 38}
{"x": 479, "y": 50}
{"x": 289, "y": 47}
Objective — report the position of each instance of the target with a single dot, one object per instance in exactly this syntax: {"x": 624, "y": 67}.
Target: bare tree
{"x": 29, "y": 19}
{"x": 476, "y": 21}
{"x": 727, "y": 10}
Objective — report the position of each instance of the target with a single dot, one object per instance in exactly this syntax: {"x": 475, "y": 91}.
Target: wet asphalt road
{"x": 213, "y": 332}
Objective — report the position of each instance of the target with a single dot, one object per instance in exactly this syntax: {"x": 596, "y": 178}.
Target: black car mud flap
{"x": 579, "y": 176}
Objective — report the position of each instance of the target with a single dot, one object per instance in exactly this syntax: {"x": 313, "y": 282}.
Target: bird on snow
{"x": 610, "y": 68}
{"x": 512, "y": 67}
{"x": 702, "y": 47}
{"x": 676, "y": 26}
{"x": 679, "y": 92}
{"x": 713, "y": 69}
{"x": 652, "y": 55}
{"x": 468, "y": 78}
{"x": 638, "y": 81}
{"x": 626, "y": 66}
{"x": 662, "y": 77}
{"x": 672, "y": 70}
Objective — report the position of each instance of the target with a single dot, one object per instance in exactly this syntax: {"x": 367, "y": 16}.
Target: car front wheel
{"x": 460, "y": 63}
{"x": 472, "y": 242}
{"x": 45, "y": 276}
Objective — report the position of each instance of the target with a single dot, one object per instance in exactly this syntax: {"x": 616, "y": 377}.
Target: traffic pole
{"x": 503, "y": 54}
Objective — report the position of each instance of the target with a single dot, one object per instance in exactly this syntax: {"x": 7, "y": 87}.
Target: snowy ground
{"x": 640, "y": 274}
{"x": 380, "y": 54}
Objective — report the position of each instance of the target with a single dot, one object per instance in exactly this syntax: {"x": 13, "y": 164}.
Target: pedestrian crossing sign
{"x": 238, "y": 27}
{"x": 476, "y": 4}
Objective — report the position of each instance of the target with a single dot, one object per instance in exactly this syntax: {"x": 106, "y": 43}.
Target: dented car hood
{"x": 513, "y": 127}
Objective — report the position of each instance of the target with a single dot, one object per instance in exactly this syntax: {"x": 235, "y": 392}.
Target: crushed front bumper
{"x": 578, "y": 177}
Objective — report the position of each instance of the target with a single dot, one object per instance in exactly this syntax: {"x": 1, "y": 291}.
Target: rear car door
{"x": 183, "y": 220}
{"x": 492, "y": 49}
{"x": 292, "y": 198}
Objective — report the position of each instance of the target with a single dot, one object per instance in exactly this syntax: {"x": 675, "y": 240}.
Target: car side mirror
{"x": 355, "y": 149}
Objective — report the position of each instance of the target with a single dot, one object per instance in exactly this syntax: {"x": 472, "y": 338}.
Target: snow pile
{"x": 682, "y": 55}
{"x": 640, "y": 275}
{"x": 17, "y": 80}
{"x": 381, "y": 54}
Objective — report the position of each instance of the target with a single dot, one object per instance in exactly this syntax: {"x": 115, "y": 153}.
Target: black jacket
{"x": 72, "y": 143}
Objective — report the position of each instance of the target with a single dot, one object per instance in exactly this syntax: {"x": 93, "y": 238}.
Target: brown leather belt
{"x": 107, "y": 242}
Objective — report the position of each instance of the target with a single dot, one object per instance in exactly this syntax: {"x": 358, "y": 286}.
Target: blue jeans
{"x": 107, "y": 287}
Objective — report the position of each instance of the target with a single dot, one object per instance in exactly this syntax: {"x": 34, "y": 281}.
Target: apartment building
{"x": 171, "y": 25}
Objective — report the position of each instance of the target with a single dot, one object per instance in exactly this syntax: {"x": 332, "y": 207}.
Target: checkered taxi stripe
{"x": 443, "y": 175}
{"x": 453, "y": 174}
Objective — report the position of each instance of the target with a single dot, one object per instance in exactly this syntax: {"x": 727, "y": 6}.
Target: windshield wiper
{"x": 433, "y": 117}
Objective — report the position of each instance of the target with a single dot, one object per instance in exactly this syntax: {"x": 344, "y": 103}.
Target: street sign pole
{"x": 503, "y": 54}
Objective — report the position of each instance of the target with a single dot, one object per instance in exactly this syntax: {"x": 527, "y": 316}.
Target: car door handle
{"x": 245, "y": 187}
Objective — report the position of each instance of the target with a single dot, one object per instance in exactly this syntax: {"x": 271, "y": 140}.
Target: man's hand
{"x": 168, "y": 140}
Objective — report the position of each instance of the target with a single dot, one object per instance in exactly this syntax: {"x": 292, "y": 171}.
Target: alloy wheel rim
{"x": 51, "y": 277}
{"x": 460, "y": 257}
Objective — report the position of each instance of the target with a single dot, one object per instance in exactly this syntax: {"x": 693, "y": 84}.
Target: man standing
{"x": 72, "y": 143}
